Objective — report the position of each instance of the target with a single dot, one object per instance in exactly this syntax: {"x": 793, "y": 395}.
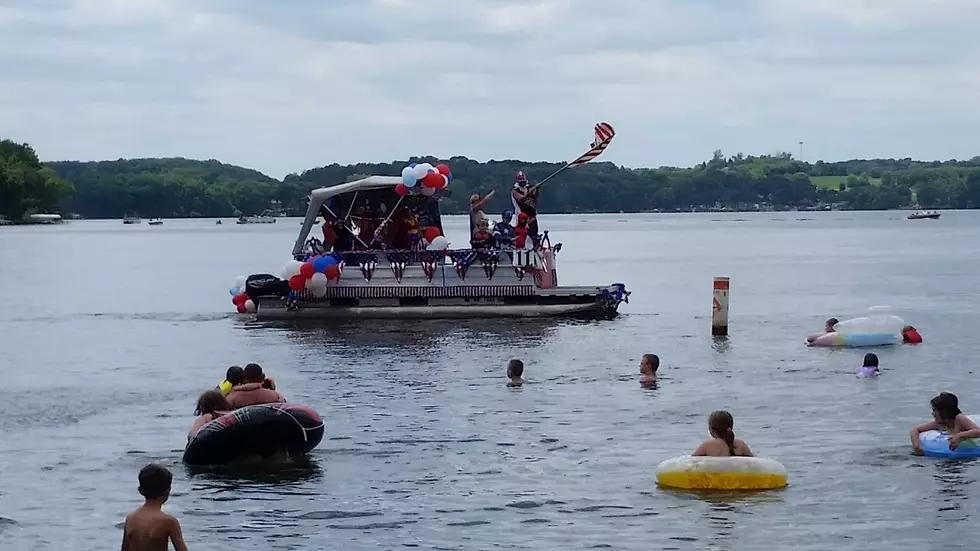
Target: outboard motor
{"x": 263, "y": 285}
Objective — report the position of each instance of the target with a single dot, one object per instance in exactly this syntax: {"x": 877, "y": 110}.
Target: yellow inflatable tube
{"x": 721, "y": 473}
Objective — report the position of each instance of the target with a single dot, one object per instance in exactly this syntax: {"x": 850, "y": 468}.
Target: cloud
{"x": 284, "y": 86}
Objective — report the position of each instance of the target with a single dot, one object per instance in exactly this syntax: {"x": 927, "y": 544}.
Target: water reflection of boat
{"x": 407, "y": 281}
{"x": 923, "y": 215}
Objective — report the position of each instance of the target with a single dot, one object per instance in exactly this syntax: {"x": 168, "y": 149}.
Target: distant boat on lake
{"x": 132, "y": 218}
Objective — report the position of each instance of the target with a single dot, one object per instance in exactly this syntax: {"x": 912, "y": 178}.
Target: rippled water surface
{"x": 108, "y": 333}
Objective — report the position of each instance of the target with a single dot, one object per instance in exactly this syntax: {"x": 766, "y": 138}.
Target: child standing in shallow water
{"x": 149, "y": 528}
{"x": 723, "y": 442}
{"x": 870, "y": 367}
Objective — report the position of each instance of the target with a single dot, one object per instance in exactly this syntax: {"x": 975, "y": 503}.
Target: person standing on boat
{"x": 476, "y": 210}
{"x": 503, "y": 232}
{"x": 525, "y": 201}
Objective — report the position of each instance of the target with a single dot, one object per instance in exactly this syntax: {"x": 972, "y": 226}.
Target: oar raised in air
{"x": 604, "y": 134}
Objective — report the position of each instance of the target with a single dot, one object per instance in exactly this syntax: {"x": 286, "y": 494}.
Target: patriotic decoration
{"x": 398, "y": 262}
{"x": 429, "y": 262}
{"x": 423, "y": 178}
{"x": 368, "y": 264}
{"x": 604, "y": 134}
{"x": 462, "y": 261}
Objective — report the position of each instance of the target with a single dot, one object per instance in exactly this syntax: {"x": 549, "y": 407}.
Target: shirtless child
{"x": 149, "y": 528}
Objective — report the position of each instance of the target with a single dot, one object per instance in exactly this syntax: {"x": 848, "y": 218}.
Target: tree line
{"x": 177, "y": 187}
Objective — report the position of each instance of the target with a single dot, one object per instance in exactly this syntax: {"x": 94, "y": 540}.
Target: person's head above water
{"x": 515, "y": 369}
{"x": 721, "y": 425}
{"x": 235, "y": 375}
{"x": 870, "y": 360}
{"x": 945, "y": 408}
{"x": 830, "y": 323}
{"x": 212, "y": 401}
{"x": 649, "y": 364}
{"x": 155, "y": 481}
{"x": 253, "y": 373}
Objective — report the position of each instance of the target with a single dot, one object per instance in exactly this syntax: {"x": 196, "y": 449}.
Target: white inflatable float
{"x": 721, "y": 473}
{"x": 878, "y": 328}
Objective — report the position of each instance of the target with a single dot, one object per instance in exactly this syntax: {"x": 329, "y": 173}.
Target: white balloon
{"x": 319, "y": 280}
{"x": 320, "y": 292}
{"x": 422, "y": 169}
{"x": 438, "y": 244}
{"x": 293, "y": 267}
{"x": 284, "y": 273}
{"x": 428, "y": 191}
{"x": 310, "y": 285}
{"x": 240, "y": 282}
{"x": 250, "y": 306}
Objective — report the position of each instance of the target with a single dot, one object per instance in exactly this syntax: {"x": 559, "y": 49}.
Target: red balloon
{"x": 333, "y": 272}
{"x": 444, "y": 182}
{"x": 432, "y": 179}
{"x": 240, "y": 298}
{"x": 297, "y": 283}
{"x": 306, "y": 270}
{"x": 431, "y": 233}
{"x": 443, "y": 169}
{"x": 401, "y": 189}
{"x": 242, "y": 309}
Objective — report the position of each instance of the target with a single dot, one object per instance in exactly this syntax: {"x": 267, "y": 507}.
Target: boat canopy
{"x": 374, "y": 188}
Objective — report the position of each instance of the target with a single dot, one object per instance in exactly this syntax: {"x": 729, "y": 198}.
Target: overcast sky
{"x": 285, "y": 85}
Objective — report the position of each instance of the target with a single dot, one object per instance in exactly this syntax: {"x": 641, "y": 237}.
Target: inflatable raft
{"x": 876, "y": 329}
{"x": 935, "y": 443}
{"x": 721, "y": 473}
{"x": 263, "y": 430}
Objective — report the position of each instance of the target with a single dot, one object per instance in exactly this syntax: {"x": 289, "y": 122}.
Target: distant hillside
{"x": 183, "y": 187}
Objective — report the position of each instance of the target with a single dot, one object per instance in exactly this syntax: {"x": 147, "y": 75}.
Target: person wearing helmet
{"x": 503, "y": 232}
{"x": 525, "y": 201}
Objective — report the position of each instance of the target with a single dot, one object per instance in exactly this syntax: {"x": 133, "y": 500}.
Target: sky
{"x": 286, "y": 85}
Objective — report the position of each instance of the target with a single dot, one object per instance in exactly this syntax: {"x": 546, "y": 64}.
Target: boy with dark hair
{"x": 149, "y": 528}
{"x": 256, "y": 389}
{"x": 233, "y": 377}
{"x": 515, "y": 369}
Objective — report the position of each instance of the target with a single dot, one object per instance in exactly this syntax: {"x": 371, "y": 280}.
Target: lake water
{"x": 108, "y": 333}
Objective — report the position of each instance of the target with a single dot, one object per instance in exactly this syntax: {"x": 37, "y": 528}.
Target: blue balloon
{"x": 412, "y": 165}
{"x": 320, "y": 263}
{"x": 234, "y": 291}
{"x": 331, "y": 261}
{"x": 409, "y": 180}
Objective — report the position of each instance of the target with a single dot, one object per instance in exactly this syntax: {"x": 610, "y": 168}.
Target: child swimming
{"x": 149, "y": 528}
{"x": 723, "y": 442}
{"x": 870, "y": 367}
{"x": 828, "y": 327}
{"x": 210, "y": 405}
{"x": 946, "y": 416}
{"x": 515, "y": 369}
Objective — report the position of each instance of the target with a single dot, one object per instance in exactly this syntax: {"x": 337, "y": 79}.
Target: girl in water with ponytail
{"x": 723, "y": 442}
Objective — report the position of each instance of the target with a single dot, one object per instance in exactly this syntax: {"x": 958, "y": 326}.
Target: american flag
{"x": 603, "y": 136}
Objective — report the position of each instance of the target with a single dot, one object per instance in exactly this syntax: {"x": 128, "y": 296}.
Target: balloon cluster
{"x": 434, "y": 240}
{"x": 312, "y": 275}
{"x": 239, "y": 298}
{"x": 424, "y": 178}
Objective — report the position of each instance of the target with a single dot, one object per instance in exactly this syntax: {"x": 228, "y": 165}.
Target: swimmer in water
{"x": 946, "y": 416}
{"x": 233, "y": 377}
{"x": 870, "y": 367}
{"x": 515, "y": 370}
{"x": 828, "y": 327}
{"x": 149, "y": 528}
{"x": 723, "y": 442}
{"x": 211, "y": 405}
{"x": 911, "y": 335}
{"x": 648, "y": 370}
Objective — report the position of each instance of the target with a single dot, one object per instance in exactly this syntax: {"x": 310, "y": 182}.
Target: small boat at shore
{"x": 132, "y": 218}
{"x": 267, "y": 217}
{"x": 401, "y": 279}
{"x": 155, "y": 222}
{"x": 924, "y": 215}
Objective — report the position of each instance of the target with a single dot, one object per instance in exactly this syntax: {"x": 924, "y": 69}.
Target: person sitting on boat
{"x": 828, "y": 327}
{"x": 911, "y": 335}
{"x": 503, "y": 232}
{"x": 477, "y": 205}
{"x": 525, "y": 200}
{"x": 210, "y": 405}
{"x": 482, "y": 238}
{"x": 522, "y": 230}
{"x": 256, "y": 389}
{"x": 233, "y": 377}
